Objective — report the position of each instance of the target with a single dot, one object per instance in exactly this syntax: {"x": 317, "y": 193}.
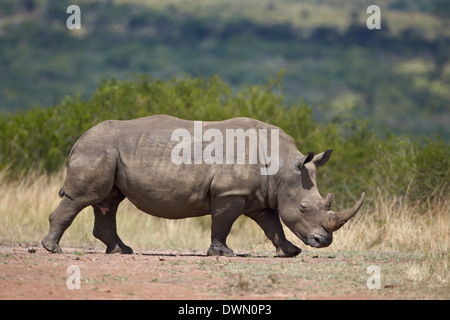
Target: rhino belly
{"x": 164, "y": 189}
{"x": 164, "y": 208}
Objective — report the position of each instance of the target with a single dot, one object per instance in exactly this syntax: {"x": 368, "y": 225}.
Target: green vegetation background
{"x": 343, "y": 86}
{"x": 399, "y": 76}
{"x": 39, "y": 140}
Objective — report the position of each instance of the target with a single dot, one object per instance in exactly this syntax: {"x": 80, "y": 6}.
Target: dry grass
{"x": 391, "y": 224}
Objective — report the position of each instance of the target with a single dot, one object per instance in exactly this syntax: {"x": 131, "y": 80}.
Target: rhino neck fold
{"x": 273, "y": 184}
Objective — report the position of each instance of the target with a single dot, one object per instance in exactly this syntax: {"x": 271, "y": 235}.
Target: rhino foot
{"x": 51, "y": 245}
{"x": 119, "y": 249}
{"x": 288, "y": 252}
{"x": 218, "y": 249}
{"x": 226, "y": 253}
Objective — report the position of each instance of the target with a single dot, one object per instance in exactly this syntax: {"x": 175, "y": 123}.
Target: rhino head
{"x": 301, "y": 207}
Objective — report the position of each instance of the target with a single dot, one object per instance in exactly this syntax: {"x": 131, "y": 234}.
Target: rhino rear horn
{"x": 327, "y": 201}
{"x": 338, "y": 219}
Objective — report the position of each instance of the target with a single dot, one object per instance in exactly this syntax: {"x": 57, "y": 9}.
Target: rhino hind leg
{"x": 90, "y": 178}
{"x": 60, "y": 219}
{"x": 105, "y": 223}
{"x": 225, "y": 212}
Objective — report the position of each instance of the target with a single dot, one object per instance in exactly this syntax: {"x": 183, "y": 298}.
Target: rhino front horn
{"x": 338, "y": 219}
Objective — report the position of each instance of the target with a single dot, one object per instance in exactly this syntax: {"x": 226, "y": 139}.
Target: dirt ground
{"x": 33, "y": 273}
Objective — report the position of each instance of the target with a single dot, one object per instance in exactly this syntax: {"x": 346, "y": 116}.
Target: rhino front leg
{"x": 105, "y": 223}
{"x": 269, "y": 221}
{"x": 225, "y": 212}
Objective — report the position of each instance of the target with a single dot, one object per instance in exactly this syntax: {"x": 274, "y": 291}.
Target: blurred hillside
{"x": 398, "y": 77}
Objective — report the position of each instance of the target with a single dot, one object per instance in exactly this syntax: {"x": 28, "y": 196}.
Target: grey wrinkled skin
{"x": 132, "y": 159}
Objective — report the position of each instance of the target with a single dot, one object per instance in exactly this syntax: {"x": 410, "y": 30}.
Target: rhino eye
{"x": 303, "y": 208}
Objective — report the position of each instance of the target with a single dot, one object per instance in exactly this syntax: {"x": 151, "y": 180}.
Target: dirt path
{"x": 33, "y": 273}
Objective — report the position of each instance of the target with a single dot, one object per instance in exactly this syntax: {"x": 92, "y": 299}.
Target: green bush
{"x": 39, "y": 140}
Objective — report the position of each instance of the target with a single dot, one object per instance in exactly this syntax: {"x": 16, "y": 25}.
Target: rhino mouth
{"x": 318, "y": 240}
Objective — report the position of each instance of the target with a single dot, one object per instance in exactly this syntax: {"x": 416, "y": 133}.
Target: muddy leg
{"x": 225, "y": 211}
{"x": 269, "y": 221}
{"x": 60, "y": 219}
{"x": 105, "y": 223}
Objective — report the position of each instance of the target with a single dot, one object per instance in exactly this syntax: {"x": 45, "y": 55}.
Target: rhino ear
{"x": 322, "y": 158}
{"x": 298, "y": 164}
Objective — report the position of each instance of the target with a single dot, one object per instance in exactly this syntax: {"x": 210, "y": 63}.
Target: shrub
{"x": 39, "y": 140}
